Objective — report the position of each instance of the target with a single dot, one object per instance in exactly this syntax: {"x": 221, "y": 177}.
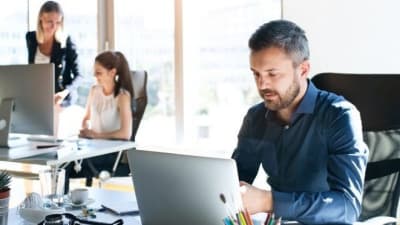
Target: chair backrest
{"x": 139, "y": 100}
{"x": 377, "y": 97}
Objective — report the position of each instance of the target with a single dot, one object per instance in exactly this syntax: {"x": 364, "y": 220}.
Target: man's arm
{"x": 246, "y": 157}
{"x": 347, "y": 161}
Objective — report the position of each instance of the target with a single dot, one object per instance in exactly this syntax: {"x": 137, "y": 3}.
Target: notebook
{"x": 121, "y": 208}
{"x": 183, "y": 189}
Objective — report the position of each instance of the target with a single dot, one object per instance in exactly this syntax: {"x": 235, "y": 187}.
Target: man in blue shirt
{"x": 308, "y": 141}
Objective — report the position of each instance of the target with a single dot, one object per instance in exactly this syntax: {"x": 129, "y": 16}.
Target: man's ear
{"x": 304, "y": 68}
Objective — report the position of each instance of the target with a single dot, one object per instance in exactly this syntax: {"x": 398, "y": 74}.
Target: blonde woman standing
{"x": 49, "y": 44}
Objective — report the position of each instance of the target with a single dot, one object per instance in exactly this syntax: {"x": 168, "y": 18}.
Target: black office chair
{"x": 115, "y": 164}
{"x": 139, "y": 103}
{"x": 377, "y": 97}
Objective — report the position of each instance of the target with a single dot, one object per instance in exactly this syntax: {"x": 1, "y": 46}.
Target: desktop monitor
{"x": 26, "y": 100}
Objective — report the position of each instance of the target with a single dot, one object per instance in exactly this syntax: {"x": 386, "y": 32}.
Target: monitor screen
{"x": 31, "y": 87}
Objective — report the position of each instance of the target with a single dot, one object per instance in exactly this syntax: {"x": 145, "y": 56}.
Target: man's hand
{"x": 255, "y": 200}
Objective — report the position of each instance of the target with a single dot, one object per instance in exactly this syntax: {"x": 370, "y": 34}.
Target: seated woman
{"x": 108, "y": 109}
{"x": 108, "y": 113}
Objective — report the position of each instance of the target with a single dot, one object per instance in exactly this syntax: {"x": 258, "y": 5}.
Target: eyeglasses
{"x": 68, "y": 218}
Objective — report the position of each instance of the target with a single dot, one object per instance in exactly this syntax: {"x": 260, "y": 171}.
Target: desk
{"x": 101, "y": 196}
{"x": 67, "y": 152}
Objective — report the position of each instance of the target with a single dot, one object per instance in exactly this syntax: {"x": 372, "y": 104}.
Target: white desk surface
{"x": 101, "y": 196}
{"x": 68, "y": 151}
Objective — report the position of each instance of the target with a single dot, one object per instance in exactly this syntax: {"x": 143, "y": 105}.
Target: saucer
{"x": 89, "y": 201}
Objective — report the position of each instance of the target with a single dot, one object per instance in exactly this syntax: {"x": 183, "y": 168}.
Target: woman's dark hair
{"x": 116, "y": 60}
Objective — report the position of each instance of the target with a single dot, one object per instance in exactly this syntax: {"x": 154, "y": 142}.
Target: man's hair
{"x": 281, "y": 34}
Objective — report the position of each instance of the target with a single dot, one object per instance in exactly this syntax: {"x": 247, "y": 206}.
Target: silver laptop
{"x": 183, "y": 189}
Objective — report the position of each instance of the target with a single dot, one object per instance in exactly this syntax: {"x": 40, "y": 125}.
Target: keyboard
{"x": 43, "y": 138}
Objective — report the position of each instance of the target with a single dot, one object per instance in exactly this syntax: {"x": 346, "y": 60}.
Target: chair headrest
{"x": 139, "y": 81}
{"x": 376, "y": 96}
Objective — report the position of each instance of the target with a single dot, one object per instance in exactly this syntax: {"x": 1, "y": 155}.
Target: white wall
{"x": 354, "y": 36}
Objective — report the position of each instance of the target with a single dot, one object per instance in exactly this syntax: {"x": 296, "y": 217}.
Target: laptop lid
{"x": 183, "y": 189}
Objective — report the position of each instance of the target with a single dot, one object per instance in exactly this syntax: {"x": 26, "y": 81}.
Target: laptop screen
{"x": 183, "y": 189}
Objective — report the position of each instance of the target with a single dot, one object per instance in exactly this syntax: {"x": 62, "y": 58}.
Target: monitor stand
{"x": 10, "y": 141}
{"x": 6, "y": 108}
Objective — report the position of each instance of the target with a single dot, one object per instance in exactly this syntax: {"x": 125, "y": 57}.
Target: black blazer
{"x": 65, "y": 61}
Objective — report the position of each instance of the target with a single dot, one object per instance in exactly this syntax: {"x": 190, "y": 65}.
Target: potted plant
{"x": 5, "y": 180}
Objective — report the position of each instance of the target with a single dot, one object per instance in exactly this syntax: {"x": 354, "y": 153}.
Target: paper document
{"x": 379, "y": 220}
{"x": 122, "y": 208}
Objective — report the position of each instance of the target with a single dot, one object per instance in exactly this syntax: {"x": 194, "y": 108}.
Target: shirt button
{"x": 59, "y": 65}
{"x": 287, "y": 127}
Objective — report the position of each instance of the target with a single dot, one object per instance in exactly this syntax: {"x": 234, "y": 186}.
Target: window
{"x": 144, "y": 33}
{"x": 13, "y": 26}
{"x": 218, "y": 87}
{"x": 218, "y": 84}
{"x": 81, "y": 24}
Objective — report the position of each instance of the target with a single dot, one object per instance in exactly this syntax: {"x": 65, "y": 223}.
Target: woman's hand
{"x": 88, "y": 133}
{"x": 60, "y": 96}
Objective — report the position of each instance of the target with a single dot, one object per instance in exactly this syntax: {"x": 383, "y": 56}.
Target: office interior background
{"x": 200, "y": 85}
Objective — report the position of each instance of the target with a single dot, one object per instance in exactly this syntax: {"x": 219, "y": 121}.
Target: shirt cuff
{"x": 283, "y": 204}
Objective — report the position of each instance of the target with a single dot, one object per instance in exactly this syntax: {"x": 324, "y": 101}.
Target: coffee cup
{"x": 79, "y": 196}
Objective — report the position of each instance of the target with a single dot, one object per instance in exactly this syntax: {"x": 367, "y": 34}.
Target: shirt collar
{"x": 307, "y": 104}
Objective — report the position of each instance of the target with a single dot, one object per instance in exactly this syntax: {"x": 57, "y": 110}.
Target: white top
{"x": 104, "y": 112}
{"x": 41, "y": 58}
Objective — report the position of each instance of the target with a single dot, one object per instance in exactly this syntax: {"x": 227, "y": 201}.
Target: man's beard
{"x": 283, "y": 101}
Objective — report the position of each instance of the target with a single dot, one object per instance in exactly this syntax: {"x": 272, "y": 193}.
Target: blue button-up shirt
{"x": 316, "y": 163}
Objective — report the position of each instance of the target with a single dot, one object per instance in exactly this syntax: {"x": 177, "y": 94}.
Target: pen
{"x": 248, "y": 218}
{"x": 242, "y": 220}
{"x": 46, "y": 146}
{"x": 272, "y": 221}
{"x": 228, "y": 221}
{"x": 267, "y": 219}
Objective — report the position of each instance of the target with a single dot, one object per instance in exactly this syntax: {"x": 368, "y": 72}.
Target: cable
{"x": 78, "y": 166}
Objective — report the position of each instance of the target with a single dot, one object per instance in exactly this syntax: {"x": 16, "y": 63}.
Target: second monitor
{"x": 27, "y": 95}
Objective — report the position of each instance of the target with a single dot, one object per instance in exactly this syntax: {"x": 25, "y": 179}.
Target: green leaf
{"x": 5, "y": 179}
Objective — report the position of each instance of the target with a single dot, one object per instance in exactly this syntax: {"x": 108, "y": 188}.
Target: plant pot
{"x": 4, "y": 204}
{"x": 4, "y": 200}
{"x": 5, "y": 193}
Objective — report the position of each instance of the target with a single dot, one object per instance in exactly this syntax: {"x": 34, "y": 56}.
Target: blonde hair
{"x": 49, "y": 7}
